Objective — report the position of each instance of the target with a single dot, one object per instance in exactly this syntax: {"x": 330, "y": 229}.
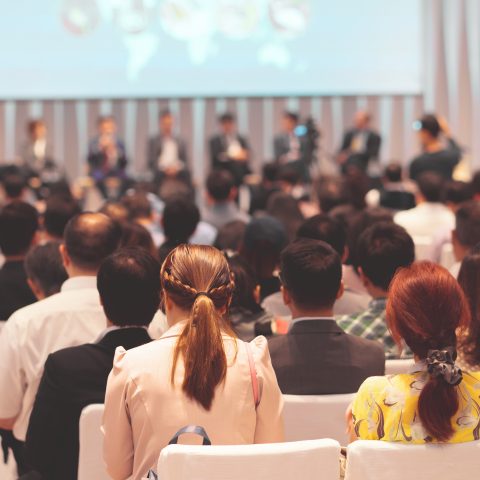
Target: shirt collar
{"x": 116, "y": 327}
{"x": 307, "y": 319}
{"x": 378, "y": 304}
{"x": 79, "y": 283}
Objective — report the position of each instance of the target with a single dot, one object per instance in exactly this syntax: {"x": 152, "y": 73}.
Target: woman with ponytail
{"x": 198, "y": 373}
{"x": 436, "y": 402}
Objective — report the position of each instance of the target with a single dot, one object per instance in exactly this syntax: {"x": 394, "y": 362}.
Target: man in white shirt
{"x": 71, "y": 317}
{"x": 430, "y": 215}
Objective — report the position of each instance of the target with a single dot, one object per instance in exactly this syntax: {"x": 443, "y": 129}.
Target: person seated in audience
{"x": 154, "y": 390}
{"x": 107, "y": 158}
{"x": 59, "y": 209}
{"x": 466, "y": 233}
{"x": 129, "y": 285}
{"x": 469, "y": 340}
{"x": 436, "y": 157}
{"x": 381, "y": 250}
{"x": 18, "y": 232}
{"x": 221, "y": 194}
{"x": 167, "y": 153}
{"x": 230, "y": 151}
{"x": 230, "y": 236}
{"x": 264, "y": 239}
{"x": 14, "y": 188}
{"x": 135, "y": 235}
{"x": 395, "y": 193}
{"x": 430, "y": 215}
{"x": 246, "y": 315}
{"x": 436, "y": 402}
{"x": 71, "y": 317}
{"x": 115, "y": 211}
{"x": 316, "y": 356}
{"x": 285, "y": 209}
{"x": 45, "y": 271}
{"x": 259, "y": 194}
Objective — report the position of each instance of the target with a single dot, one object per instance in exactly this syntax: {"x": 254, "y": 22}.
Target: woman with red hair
{"x": 436, "y": 402}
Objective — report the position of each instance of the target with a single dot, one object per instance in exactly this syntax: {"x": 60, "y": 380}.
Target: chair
{"x": 396, "y": 366}
{"x": 447, "y": 258}
{"x": 90, "y": 460}
{"x": 308, "y": 417}
{"x": 423, "y": 247}
{"x": 309, "y": 460}
{"x": 371, "y": 460}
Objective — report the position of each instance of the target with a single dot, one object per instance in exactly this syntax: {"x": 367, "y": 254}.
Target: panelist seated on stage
{"x": 36, "y": 152}
{"x": 360, "y": 145}
{"x": 106, "y": 153}
{"x": 290, "y": 149}
{"x": 167, "y": 153}
{"x": 229, "y": 150}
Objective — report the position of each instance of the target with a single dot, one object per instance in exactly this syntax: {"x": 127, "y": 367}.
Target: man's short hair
{"x": 59, "y": 210}
{"x": 220, "y": 184}
{"x": 226, "y": 117}
{"x": 180, "y": 219}
{"x": 381, "y": 250}
{"x": 431, "y": 186}
{"x": 90, "y": 238}
{"x": 18, "y": 224}
{"x": 230, "y": 236}
{"x": 430, "y": 124}
{"x": 14, "y": 185}
{"x": 116, "y": 211}
{"x": 311, "y": 272}
{"x": 165, "y": 113}
{"x": 138, "y": 206}
{"x": 129, "y": 285}
{"x": 44, "y": 267}
{"x": 293, "y": 116}
{"x": 327, "y": 229}
{"x": 393, "y": 172}
{"x": 467, "y": 224}
{"x": 457, "y": 192}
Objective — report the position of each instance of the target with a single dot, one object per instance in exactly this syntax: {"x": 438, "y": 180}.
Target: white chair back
{"x": 371, "y": 460}
{"x": 447, "y": 258}
{"x": 90, "y": 459}
{"x": 423, "y": 247}
{"x": 394, "y": 366}
{"x": 308, "y": 417}
{"x": 308, "y": 460}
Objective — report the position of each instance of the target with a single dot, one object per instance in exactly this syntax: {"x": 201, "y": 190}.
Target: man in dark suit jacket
{"x": 316, "y": 357}
{"x": 166, "y": 153}
{"x": 129, "y": 285}
{"x": 360, "y": 145}
{"x": 229, "y": 150}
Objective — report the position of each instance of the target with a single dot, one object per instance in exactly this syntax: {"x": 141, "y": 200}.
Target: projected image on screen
{"x": 141, "y": 48}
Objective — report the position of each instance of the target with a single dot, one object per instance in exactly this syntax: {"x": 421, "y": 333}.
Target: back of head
{"x": 245, "y": 284}
{"x": 230, "y": 236}
{"x": 116, "y": 211}
{"x": 456, "y": 192}
{"x": 59, "y": 210}
{"x": 425, "y": 307}
{"x": 330, "y": 193}
{"x": 393, "y": 173}
{"x": 467, "y": 224}
{"x": 285, "y": 209}
{"x": 138, "y": 206}
{"x": 129, "y": 285}
{"x": 381, "y": 250}
{"x": 197, "y": 279}
{"x": 327, "y": 229}
{"x": 18, "y": 225}
{"x": 90, "y": 238}
{"x": 180, "y": 220}
{"x": 135, "y": 235}
{"x": 311, "y": 272}
{"x": 14, "y": 186}
{"x": 220, "y": 184}
{"x": 430, "y": 124}
{"x": 44, "y": 267}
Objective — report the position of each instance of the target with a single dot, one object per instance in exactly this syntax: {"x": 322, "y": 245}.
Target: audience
{"x": 430, "y": 215}
{"x": 285, "y": 209}
{"x": 316, "y": 356}
{"x": 221, "y": 207}
{"x": 129, "y": 285}
{"x": 135, "y": 235}
{"x": 71, "y": 317}
{"x": 431, "y": 403}
{"x": 59, "y": 210}
{"x": 18, "y": 229}
{"x": 45, "y": 271}
{"x": 230, "y": 236}
{"x": 14, "y": 187}
{"x": 381, "y": 251}
{"x": 154, "y": 390}
{"x": 116, "y": 211}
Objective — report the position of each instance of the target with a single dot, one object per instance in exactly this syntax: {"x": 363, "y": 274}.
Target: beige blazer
{"x": 143, "y": 410}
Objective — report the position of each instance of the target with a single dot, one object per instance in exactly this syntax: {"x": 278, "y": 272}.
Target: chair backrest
{"x": 423, "y": 247}
{"x": 371, "y": 460}
{"x": 394, "y": 366}
{"x": 90, "y": 459}
{"x": 308, "y": 417}
{"x": 308, "y": 460}
{"x": 447, "y": 258}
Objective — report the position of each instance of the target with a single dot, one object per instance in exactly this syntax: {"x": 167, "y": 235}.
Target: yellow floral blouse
{"x": 385, "y": 408}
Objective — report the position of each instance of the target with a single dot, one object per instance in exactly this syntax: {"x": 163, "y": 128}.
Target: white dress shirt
{"x": 71, "y": 317}
{"x": 169, "y": 156}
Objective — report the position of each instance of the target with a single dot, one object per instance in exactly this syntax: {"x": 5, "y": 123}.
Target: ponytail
{"x": 201, "y": 347}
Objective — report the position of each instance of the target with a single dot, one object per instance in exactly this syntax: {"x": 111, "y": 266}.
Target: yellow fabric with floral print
{"x": 385, "y": 408}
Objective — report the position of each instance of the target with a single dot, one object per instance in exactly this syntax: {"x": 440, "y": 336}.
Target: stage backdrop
{"x": 451, "y": 56}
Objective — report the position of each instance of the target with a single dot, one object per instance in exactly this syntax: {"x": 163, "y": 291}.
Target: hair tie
{"x": 441, "y": 363}
{"x": 199, "y": 294}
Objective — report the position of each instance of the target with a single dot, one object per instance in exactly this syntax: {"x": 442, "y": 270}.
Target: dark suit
{"x": 281, "y": 148}
{"x": 32, "y": 165}
{"x": 371, "y": 150}
{"x": 317, "y": 357}
{"x": 218, "y": 145}
{"x": 73, "y": 378}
